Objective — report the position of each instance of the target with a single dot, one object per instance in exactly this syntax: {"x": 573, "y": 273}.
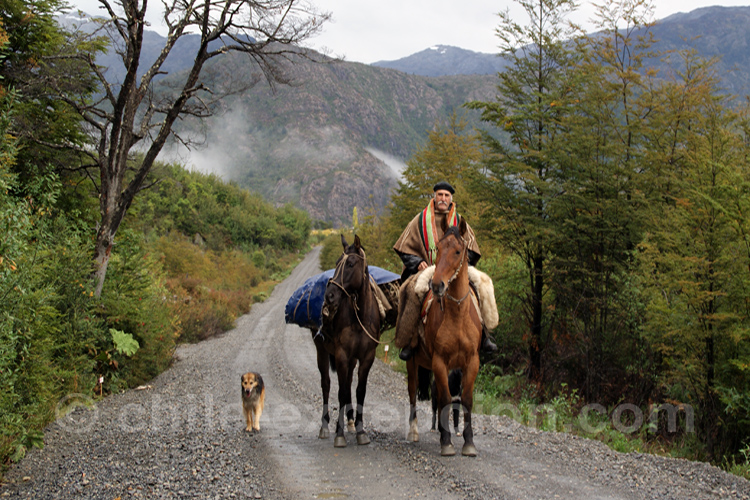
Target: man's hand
{"x": 422, "y": 266}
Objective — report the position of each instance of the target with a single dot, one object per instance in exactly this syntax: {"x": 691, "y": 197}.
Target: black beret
{"x": 444, "y": 185}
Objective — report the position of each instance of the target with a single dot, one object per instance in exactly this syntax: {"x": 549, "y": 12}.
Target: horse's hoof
{"x": 469, "y": 450}
{"x": 362, "y": 438}
{"x": 413, "y": 437}
{"x": 350, "y": 426}
{"x": 339, "y": 442}
{"x": 447, "y": 450}
{"x": 324, "y": 433}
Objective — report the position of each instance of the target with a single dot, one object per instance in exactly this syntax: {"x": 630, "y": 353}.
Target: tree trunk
{"x": 535, "y": 348}
{"x": 711, "y": 418}
{"x": 105, "y": 236}
{"x": 101, "y": 259}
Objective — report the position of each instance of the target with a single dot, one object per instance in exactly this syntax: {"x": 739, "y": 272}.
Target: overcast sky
{"x": 375, "y": 30}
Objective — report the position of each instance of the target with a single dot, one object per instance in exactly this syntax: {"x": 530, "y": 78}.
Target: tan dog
{"x": 253, "y": 398}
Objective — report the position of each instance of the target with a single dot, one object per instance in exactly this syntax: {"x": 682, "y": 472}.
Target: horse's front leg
{"x": 362, "y": 374}
{"x": 467, "y": 399}
{"x": 325, "y": 384}
{"x": 349, "y": 406}
{"x": 440, "y": 372}
{"x": 345, "y": 370}
{"x": 411, "y": 370}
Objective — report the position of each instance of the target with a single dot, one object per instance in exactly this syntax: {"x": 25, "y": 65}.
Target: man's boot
{"x": 406, "y": 353}
{"x": 487, "y": 344}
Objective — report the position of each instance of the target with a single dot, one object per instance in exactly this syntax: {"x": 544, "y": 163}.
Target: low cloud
{"x": 397, "y": 165}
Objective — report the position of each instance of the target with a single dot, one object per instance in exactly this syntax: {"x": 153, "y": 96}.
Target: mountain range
{"x": 444, "y": 60}
{"x": 338, "y": 137}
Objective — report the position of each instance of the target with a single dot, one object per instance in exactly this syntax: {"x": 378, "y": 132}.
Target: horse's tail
{"x": 332, "y": 362}
{"x": 424, "y": 379}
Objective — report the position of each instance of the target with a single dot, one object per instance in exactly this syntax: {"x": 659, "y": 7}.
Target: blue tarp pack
{"x": 306, "y": 303}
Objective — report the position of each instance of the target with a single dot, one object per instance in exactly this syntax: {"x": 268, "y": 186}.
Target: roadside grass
{"x": 392, "y": 359}
{"x": 625, "y": 428}
{"x": 739, "y": 467}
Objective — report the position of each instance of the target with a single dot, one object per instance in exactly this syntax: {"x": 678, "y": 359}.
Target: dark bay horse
{"x": 452, "y": 335}
{"x": 350, "y": 334}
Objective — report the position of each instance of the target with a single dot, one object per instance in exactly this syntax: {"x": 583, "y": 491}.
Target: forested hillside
{"x": 318, "y": 142}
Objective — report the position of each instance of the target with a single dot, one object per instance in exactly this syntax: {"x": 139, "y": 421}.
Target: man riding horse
{"x": 417, "y": 245}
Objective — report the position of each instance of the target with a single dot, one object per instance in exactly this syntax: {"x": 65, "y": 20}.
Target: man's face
{"x": 443, "y": 200}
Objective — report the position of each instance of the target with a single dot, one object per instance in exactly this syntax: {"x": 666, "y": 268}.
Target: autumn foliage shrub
{"x": 208, "y": 290}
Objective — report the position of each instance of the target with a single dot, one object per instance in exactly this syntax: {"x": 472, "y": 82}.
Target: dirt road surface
{"x": 182, "y": 436}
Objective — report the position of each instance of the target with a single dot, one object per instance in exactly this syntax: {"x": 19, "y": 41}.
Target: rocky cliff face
{"x": 310, "y": 143}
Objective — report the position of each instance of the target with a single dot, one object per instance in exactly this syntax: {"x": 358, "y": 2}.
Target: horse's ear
{"x": 357, "y": 242}
{"x": 343, "y": 241}
{"x": 462, "y": 227}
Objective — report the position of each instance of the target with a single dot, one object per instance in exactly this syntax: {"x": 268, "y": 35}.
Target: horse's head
{"x": 351, "y": 273}
{"x": 451, "y": 258}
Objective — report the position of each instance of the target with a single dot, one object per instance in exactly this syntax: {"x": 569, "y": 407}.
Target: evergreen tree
{"x": 600, "y": 209}
{"x": 695, "y": 279}
{"x": 522, "y": 180}
{"x": 45, "y": 125}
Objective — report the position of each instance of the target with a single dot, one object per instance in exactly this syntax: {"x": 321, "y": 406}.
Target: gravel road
{"x": 182, "y": 436}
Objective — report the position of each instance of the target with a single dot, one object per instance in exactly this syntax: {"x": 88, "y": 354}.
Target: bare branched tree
{"x": 130, "y": 116}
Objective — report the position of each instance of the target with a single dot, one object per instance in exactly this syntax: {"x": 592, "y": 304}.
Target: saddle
{"x": 415, "y": 299}
{"x": 386, "y": 296}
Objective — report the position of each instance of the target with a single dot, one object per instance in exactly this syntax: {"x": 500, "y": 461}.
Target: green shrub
{"x": 259, "y": 259}
{"x": 133, "y": 301}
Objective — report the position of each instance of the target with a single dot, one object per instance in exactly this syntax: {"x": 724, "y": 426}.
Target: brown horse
{"x": 452, "y": 335}
{"x": 350, "y": 333}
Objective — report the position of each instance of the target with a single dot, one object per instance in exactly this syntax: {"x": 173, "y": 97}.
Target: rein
{"x": 339, "y": 273}
{"x": 464, "y": 253}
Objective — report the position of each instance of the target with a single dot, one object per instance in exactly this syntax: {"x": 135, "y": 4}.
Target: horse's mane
{"x": 453, "y": 230}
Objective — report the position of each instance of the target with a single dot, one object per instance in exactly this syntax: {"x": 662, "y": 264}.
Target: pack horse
{"x": 350, "y": 334}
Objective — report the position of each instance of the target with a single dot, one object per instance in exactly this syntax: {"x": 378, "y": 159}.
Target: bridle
{"x": 338, "y": 275}
{"x": 464, "y": 254}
